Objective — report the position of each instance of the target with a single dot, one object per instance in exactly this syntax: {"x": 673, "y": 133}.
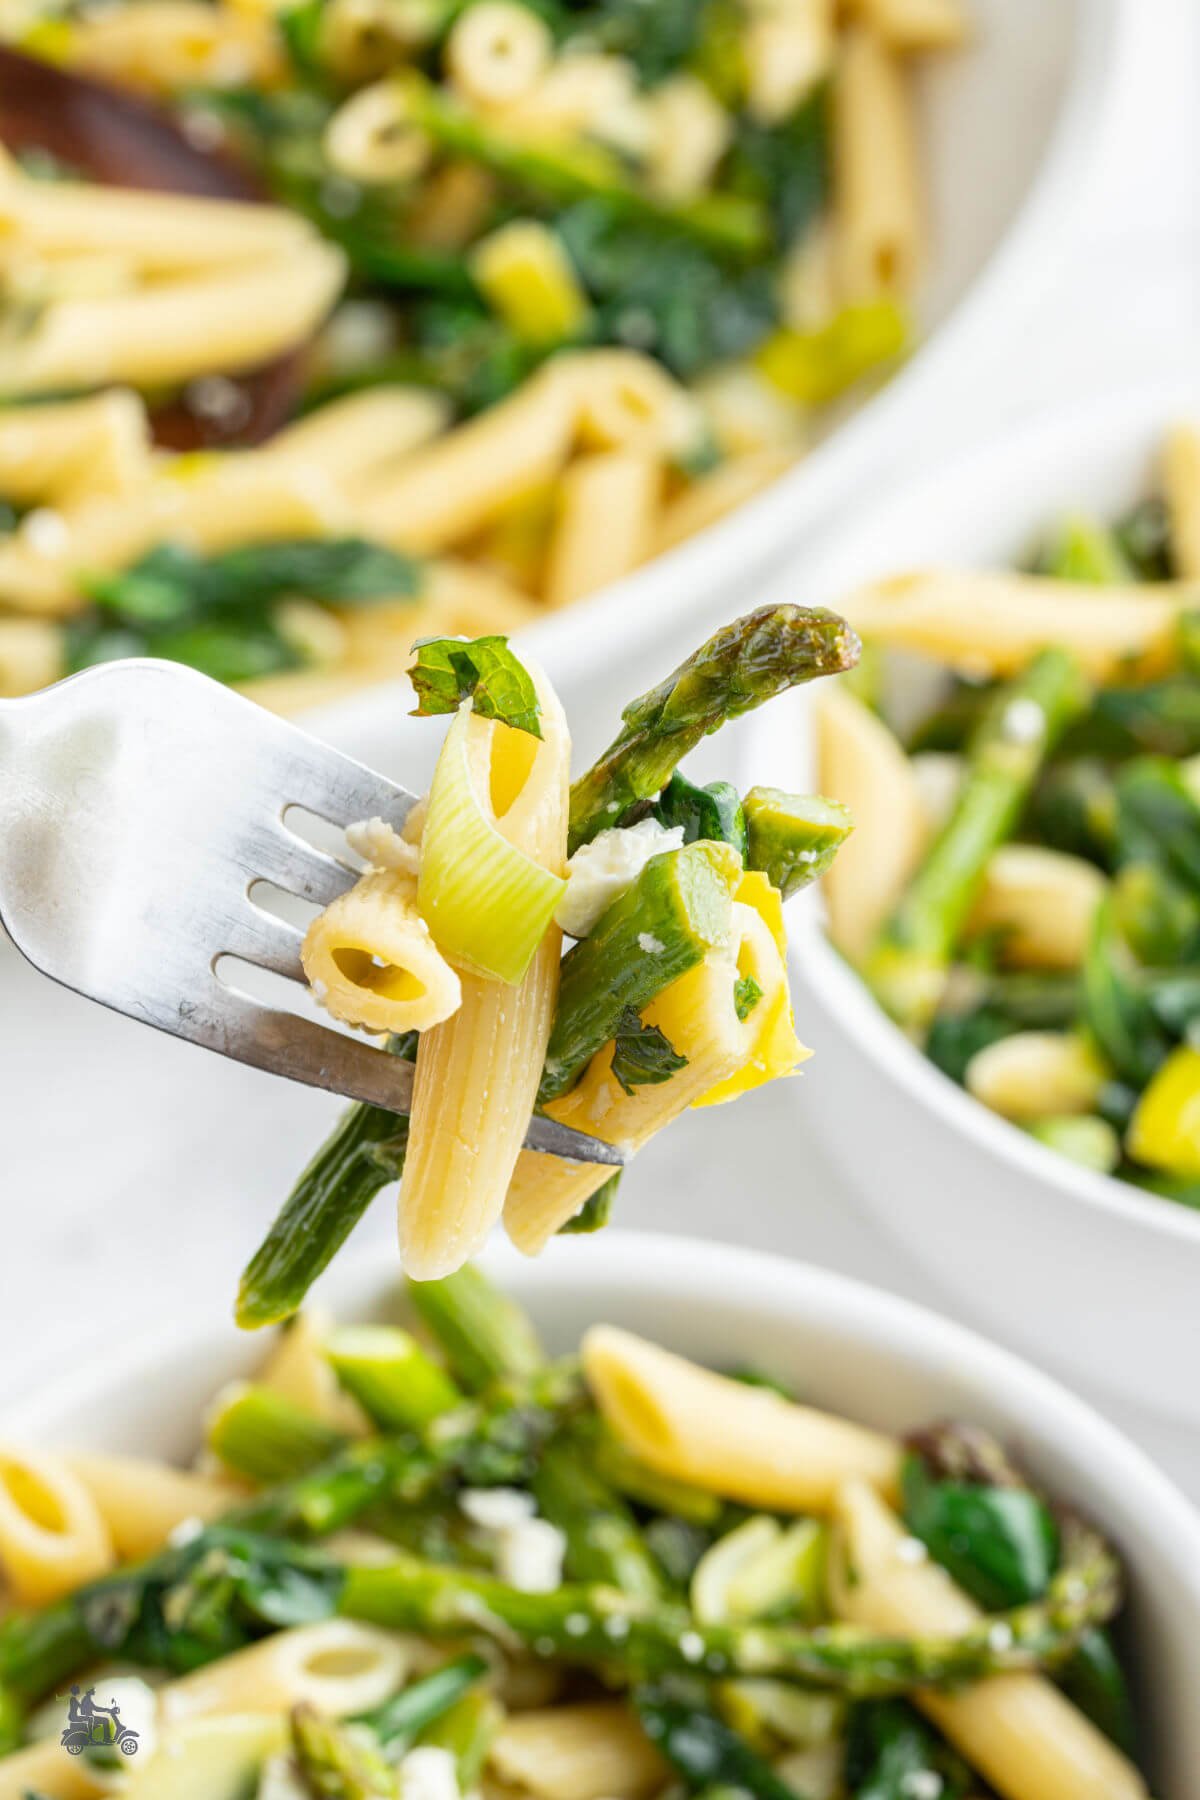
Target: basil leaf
{"x": 746, "y": 996}
{"x": 485, "y": 671}
{"x": 1000, "y": 1544}
{"x": 642, "y": 1055}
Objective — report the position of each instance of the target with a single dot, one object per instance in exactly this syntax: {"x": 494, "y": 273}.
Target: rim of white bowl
{"x": 1034, "y": 238}
{"x": 1051, "y": 1416}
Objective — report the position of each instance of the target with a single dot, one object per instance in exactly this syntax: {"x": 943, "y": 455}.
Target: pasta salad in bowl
{"x": 439, "y": 318}
{"x": 456, "y": 1543}
{"x": 1008, "y": 993}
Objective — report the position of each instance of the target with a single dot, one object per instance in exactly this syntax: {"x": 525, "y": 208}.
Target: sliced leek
{"x": 487, "y": 904}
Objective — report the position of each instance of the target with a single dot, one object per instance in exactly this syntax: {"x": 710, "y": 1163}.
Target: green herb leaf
{"x": 746, "y": 996}
{"x": 713, "y": 812}
{"x": 889, "y": 1744}
{"x": 642, "y": 1055}
{"x": 999, "y": 1543}
{"x": 677, "y": 1719}
{"x": 485, "y": 671}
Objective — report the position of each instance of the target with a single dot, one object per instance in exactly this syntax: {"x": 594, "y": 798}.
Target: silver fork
{"x": 139, "y": 804}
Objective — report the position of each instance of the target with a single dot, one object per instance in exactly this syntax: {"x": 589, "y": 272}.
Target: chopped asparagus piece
{"x": 793, "y": 838}
{"x": 397, "y": 1384}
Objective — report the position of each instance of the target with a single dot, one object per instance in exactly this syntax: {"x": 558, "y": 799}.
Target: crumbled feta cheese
{"x": 185, "y": 1531}
{"x": 46, "y": 532}
{"x": 381, "y": 846}
{"x": 601, "y": 871}
{"x": 922, "y": 1784}
{"x": 429, "y": 1773}
{"x": 529, "y": 1551}
{"x": 1023, "y": 722}
{"x": 530, "y": 1557}
{"x": 911, "y": 1550}
{"x": 649, "y": 944}
{"x": 499, "y": 1508}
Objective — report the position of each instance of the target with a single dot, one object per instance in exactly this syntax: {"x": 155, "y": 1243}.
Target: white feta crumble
{"x": 922, "y": 1784}
{"x": 46, "y": 532}
{"x": 650, "y": 945}
{"x": 691, "y": 1646}
{"x": 911, "y": 1550}
{"x": 1023, "y": 722}
{"x": 381, "y": 846}
{"x": 1000, "y": 1638}
{"x": 499, "y": 1508}
{"x": 528, "y": 1551}
{"x": 601, "y": 871}
{"x": 186, "y": 1530}
{"x": 429, "y": 1773}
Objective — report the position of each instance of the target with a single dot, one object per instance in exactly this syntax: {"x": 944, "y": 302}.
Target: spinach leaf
{"x": 677, "y": 1719}
{"x": 714, "y": 812}
{"x": 999, "y": 1543}
{"x": 889, "y": 1744}
{"x": 787, "y": 166}
{"x": 657, "y": 38}
{"x": 642, "y": 1055}
{"x": 485, "y": 671}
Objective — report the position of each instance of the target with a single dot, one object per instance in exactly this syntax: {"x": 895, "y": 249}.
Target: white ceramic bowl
{"x": 1010, "y": 129}
{"x": 843, "y": 1345}
{"x": 1085, "y": 1271}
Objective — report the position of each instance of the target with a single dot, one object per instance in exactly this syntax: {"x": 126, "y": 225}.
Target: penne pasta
{"x": 1023, "y": 1736}
{"x": 584, "y": 1752}
{"x": 55, "y": 451}
{"x": 698, "y": 1016}
{"x": 212, "y": 322}
{"x": 52, "y": 1534}
{"x": 727, "y": 487}
{"x": 745, "y": 1443}
{"x": 917, "y": 25}
{"x": 219, "y": 503}
{"x": 297, "y": 1369}
{"x": 477, "y": 1074}
{"x": 878, "y": 230}
{"x": 788, "y": 47}
{"x": 980, "y": 623}
{"x": 32, "y": 655}
{"x": 440, "y": 495}
{"x": 159, "y": 234}
{"x": 43, "y": 1768}
{"x": 607, "y": 507}
{"x": 359, "y": 436}
{"x": 167, "y": 45}
{"x": 371, "y": 961}
{"x": 143, "y": 1502}
{"x": 1039, "y": 904}
{"x": 1181, "y": 489}
{"x": 337, "y": 1666}
{"x": 861, "y": 764}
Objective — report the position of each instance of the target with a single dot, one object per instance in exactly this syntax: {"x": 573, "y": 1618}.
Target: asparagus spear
{"x": 603, "y": 1540}
{"x": 679, "y": 906}
{"x": 397, "y": 1384}
{"x": 1026, "y": 717}
{"x": 563, "y": 173}
{"x": 261, "y": 1434}
{"x": 741, "y": 666}
{"x": 600, "y": 1627}
{"x": 339, "y": 1762}
{"x": 483, "y": 1334}
{"x": 364, "y": 1153}
{"x": 793, "y": 838}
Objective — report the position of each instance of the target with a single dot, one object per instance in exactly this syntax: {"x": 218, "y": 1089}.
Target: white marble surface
{"x": 136, "y": 1173}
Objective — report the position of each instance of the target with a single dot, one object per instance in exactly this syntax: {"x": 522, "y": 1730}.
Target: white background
{"x": 138, "y": 1174}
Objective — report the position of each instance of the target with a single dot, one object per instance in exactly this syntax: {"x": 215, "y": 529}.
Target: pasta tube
{"x": 166, "y": 45}
{"x": 359, "y": 435}
{"x": 698, "y": 1016}
{"x": 745, "y": 1443}
{"x": 32, "y": 655}
{"x": 52, "y": 1535}
{"x": 213, "y": 322}
{"x": 44, "y": 1768}
{"x": 877, "y": 215}
{"x": 578, "y": 1753}
{"x": 141, "y": 1502}
{"x": 1022, "y": 1735}
{"x": 161, "y": 234}
{"x": 607, "y": 508}
{"x": 980, "y": 623}
{"x": 298, "y": 1369}
{"x": 861, "y": 764}
{"x": 52, "y": 451}
{"x": 917, "y": 24}
{"x": 338, "y": 1666}
{"x": 371, "y": 961}
{"x": 477, "y": 1074}
{"x": 444, "y": 493}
